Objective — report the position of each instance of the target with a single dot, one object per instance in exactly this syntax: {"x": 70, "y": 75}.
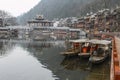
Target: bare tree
{"x": 4, "y": 15}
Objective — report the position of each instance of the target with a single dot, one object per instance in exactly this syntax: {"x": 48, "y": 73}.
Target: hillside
{"x": 66, "y": 8}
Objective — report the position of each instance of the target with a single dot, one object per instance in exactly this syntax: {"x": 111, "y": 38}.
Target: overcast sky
{"x": 17, "y": 7}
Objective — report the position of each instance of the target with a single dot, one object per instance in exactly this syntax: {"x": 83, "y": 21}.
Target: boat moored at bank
{"x": 102, "y": 51}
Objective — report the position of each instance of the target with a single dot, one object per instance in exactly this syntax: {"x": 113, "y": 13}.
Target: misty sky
{"x": 17, "y": 7}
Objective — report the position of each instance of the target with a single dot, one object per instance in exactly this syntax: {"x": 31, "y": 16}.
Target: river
{"x": 42, "y": 61}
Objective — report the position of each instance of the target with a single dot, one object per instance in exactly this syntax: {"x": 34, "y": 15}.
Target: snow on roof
{"x": 65, "y": 28}
{"x": 74, "y": 29}
{"x": 18, "y": 27}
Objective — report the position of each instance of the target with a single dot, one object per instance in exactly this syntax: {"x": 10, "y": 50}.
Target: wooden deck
{"x": 115, "y": 60}
{"x": 118, "y": 47}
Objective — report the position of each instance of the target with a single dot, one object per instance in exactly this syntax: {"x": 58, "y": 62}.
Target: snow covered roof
{"x": 74, "y": 29}
{"x": 64, "y": 28}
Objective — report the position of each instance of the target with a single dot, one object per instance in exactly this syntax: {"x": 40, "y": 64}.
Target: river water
{"x": 42, "y": 61}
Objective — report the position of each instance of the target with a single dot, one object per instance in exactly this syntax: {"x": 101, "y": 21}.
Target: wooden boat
{"x": 73, "y": 50}
{"x": 102, "y": 51}
{"x": 76, "y": 49}
{"x": 84, "y": 48}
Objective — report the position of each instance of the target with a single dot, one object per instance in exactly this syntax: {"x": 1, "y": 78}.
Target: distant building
{"x": 4, "y": 33}
{"x": 80, "y": 24}
{"x": 39, "y": 28}
{"x": 40, "y": 22}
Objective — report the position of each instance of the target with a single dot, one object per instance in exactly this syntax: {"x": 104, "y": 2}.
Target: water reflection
{"x": 100, "y": 72}
{"x": 19, "y": 65}
{"x": 42, "y": 61}
{"x": 5, "y": 47}
{"x": 51, "y": 58}
{"x": 73, "y": 63}
{"x": 97, "y": 72}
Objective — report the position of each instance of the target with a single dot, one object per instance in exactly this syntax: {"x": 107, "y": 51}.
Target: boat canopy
{"x": 79, "y": 40}
{"x": 103, "y": 42}
{"x": 93, "y": 41}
